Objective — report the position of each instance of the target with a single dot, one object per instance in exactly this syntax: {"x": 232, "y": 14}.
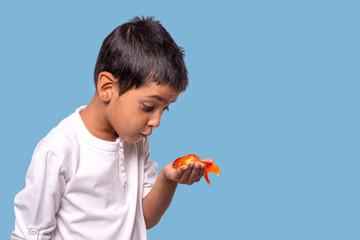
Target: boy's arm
{"x": 159, "y": 198}
{"x": 36, "y": 205}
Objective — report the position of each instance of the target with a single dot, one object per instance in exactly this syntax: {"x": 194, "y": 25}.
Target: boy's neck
{"x": 94, "y": 119}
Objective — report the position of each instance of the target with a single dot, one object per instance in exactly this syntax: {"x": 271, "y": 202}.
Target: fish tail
{"x": 213, "y": 168}
{"x": 206, "y": 176}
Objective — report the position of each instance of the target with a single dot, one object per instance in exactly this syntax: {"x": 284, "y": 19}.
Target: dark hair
{"x": 139, "y": 51}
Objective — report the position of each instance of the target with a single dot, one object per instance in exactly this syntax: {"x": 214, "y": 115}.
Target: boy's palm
{"x": 187, "y": 174}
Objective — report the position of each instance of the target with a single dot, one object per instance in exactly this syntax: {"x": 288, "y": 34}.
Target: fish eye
{"x": 174, "y": 164}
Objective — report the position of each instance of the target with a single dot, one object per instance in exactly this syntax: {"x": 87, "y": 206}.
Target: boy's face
{"x": 135, "y": 113}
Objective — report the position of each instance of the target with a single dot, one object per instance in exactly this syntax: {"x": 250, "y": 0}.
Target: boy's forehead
{"x": 160, "y": 92}
{"x": 161, "y": 99}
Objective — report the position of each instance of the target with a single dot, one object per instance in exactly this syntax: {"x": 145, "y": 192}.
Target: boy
{"x": 91, "y": 176}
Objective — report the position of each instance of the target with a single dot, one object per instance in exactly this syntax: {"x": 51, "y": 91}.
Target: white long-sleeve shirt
{"x": 81, "y": 187}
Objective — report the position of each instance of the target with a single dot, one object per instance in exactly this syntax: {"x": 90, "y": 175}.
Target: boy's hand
{"x": 187, "y": 174}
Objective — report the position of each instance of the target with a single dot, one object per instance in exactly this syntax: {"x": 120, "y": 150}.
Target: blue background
{"x": 273, "y": 99}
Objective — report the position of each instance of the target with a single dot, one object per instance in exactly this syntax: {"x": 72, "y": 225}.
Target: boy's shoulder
{"x": 61, "y": 140}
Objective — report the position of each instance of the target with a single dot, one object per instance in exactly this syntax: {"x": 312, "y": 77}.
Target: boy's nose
{"x": 154, "y": 122}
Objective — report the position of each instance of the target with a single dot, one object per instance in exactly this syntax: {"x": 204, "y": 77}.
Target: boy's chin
{"x": 133, "y": 139}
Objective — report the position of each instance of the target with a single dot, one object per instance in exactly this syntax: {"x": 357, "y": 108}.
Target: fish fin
{"x": 213, "y": 168}
{"x": 193, "y": 156}
{"x": 206, "y": 176}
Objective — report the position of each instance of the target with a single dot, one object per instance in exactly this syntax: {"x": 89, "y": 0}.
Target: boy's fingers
{"x": 180, "y": 172}
{"x": 190, "y": 173}
{"x": 195, "y": 174}
{"x": 186, "y": 174}
{"x": 202, "y": 170}
{"x": 210, "y": 160}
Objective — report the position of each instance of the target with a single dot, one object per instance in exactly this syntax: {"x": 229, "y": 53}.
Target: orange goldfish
{"x": 210, "y": 167}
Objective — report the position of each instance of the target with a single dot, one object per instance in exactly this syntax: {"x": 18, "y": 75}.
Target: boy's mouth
{"x": 145, "y": 135}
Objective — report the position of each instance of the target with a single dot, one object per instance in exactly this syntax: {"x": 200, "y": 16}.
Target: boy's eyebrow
{"x": 158, "y": 98}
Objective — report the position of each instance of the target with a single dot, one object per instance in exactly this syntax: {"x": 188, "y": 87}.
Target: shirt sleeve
{"x": 37, "y": 204}
{"x": 150, "y": 170}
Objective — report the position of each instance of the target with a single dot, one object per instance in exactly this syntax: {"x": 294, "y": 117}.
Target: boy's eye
{"x": 147, "y": 108}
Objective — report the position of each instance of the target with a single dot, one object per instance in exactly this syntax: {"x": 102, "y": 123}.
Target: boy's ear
{"x": 105, "y": 86}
